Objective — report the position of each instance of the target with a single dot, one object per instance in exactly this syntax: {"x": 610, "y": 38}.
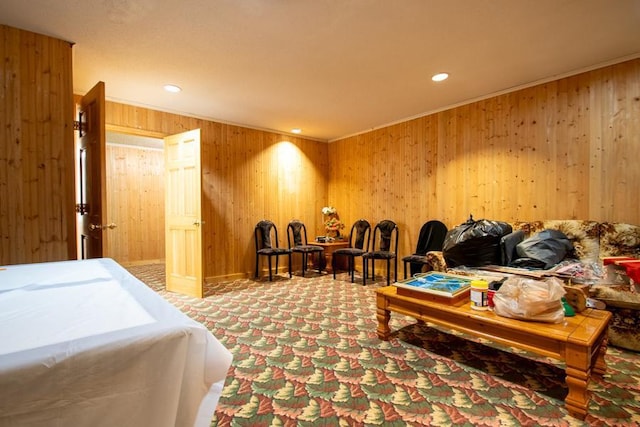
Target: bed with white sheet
{"x": 85, "y": 343}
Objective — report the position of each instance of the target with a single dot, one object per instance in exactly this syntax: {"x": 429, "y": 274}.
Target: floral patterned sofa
{"x": 593, "y": 241}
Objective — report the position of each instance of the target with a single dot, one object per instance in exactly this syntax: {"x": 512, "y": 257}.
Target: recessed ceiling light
{"x": 296, "y": 130}
{"x": 172, "y": 88}
{"x": 440, "y": 77}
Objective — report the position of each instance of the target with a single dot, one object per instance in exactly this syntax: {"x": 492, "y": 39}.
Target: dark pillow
{"x": 508, "y": 245}
{"x": 543, "y": 250}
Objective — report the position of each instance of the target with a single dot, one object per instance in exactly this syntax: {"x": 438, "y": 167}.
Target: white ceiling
{"x": 331, "y": 67}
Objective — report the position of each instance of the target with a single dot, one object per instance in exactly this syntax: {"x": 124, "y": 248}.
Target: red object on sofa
{"x": 616, "y": 259}
{"x": 632, "y": 268}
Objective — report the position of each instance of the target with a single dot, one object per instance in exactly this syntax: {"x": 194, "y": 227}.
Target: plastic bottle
{"x": 478, "y": 294}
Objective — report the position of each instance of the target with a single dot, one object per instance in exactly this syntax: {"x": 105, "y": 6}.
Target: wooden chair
{"x": 385, "y": 239}
{"x": 359, "y": 238}
{"x": 297, "y": 234}
{"x": 266, "y": 239}
{"x": 431, "y": 238}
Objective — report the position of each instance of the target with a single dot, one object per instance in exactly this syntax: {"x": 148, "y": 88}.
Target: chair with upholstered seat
{"x": 385, "y": 247}
{"x": 359, "y": 238}
{"x": 297, "y": 240}
{"x": 431, "y": 238}
{"x": 266, "y": 239}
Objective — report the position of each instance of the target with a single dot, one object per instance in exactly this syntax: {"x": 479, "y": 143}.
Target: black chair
{"x": 266, "y": 237}
{"x": 385, "y": 234}
{"x": 297, "y": 234}
{"x": 431, "y": 238}
{"x": 359, "y": 238}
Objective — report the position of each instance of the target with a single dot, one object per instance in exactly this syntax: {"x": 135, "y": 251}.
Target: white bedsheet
{"x": 84, "y": 343}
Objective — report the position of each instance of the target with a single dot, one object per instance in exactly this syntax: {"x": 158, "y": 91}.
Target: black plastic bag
{"x": 475, "y": 243}
{"x": 508, "y": 246}
{"x": 543, "y": 250}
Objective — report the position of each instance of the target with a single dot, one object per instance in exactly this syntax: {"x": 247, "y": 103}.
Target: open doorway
{"x": 135, "y": 187}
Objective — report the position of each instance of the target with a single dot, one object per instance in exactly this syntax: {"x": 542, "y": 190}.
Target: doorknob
{"x": 102, "y": 227}
{"x": 197, "y": 223}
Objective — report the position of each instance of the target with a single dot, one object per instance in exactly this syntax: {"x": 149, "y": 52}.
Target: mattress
{"x": 85, "y": 343}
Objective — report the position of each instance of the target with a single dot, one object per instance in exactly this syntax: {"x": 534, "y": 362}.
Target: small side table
{"x": 326, "y": 261}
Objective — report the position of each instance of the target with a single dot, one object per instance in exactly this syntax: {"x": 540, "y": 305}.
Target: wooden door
{"x": 91, "y": 205}
{"x": 183, "y": 213}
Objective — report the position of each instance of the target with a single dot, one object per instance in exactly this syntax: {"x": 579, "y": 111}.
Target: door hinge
{"x": 82, "y": 208}
{"x": 79, "y": 125}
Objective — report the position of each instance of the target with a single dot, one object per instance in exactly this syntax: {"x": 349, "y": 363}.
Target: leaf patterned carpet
{"x": 306, "y": 353}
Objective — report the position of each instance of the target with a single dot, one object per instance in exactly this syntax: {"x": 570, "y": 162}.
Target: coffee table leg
{"x": 577, "y": 400}
{"x": 600, "y": 366}
{"x": 579, "y": 365}
{"x": 383, "y": 315}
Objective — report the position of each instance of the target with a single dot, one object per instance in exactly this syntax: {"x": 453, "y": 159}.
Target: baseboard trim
{"x": 141, "y": 262}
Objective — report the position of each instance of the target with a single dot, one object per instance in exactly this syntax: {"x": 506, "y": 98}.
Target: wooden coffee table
{"x": 580, "y": 341}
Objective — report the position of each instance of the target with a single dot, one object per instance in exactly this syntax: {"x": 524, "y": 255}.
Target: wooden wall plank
{"x": 563, "y": 149}
{"x": 546, "y": 152}
{"x": 241, "y": 169}
{"x": 135, "y": 203}
{"x": 36, "y": 159}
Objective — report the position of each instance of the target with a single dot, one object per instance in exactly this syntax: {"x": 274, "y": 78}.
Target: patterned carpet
{"x": 306, "y": 353}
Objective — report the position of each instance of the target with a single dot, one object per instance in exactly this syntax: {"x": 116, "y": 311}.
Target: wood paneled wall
{"x": 560, "y": 150}
{"x": 37, "y": 218}
{"x": 564, "y": 149}
{"x": 248, "y": 175}
{"x": 135, "y": 203}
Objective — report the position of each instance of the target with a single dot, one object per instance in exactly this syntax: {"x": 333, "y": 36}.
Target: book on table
{"x": 436, "y": 286}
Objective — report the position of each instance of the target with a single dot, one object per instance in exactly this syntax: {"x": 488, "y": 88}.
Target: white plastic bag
{"x": 528, "y": 299}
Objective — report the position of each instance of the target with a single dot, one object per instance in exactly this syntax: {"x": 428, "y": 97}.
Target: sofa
{"x": 592, "y": 241}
